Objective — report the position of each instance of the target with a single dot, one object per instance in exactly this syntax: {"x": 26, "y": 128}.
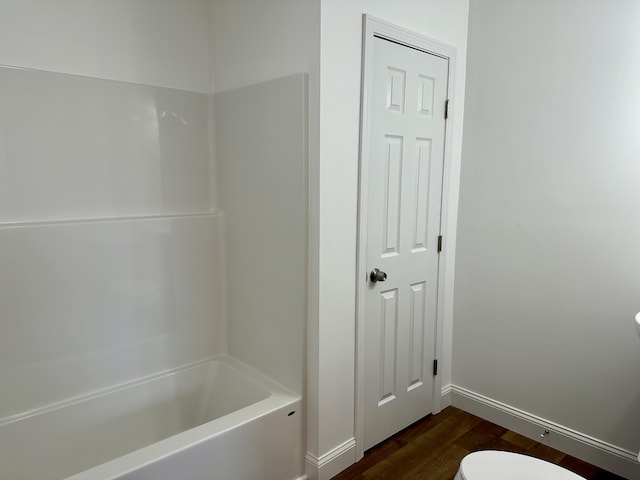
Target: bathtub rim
{"x": 130, "y": 462}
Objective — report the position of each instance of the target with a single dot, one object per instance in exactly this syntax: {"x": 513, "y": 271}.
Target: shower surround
{"x": 123, "y": 262}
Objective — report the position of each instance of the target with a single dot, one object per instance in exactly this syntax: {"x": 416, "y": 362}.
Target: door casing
{"x": 374, "y": 27}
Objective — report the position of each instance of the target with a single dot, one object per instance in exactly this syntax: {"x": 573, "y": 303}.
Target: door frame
{"x": 375, "y": 27}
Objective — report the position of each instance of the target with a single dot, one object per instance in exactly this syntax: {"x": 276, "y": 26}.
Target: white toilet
{"x": 495, "y": 465}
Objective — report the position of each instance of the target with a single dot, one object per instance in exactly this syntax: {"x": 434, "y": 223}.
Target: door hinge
{"x": 435, "y": 367}
{"x": 446, "y": 109}
{"x": 439, "y": 243}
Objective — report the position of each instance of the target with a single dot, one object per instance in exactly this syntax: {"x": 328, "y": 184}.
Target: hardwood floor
{"x": 431, "y": 449}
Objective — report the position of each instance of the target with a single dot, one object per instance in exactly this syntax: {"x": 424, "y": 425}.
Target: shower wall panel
{"x": 261, "y": 133}
{"x": 92, "y": 304}
{"x": 111, "y": 261}
{"x": 76, "y": 147}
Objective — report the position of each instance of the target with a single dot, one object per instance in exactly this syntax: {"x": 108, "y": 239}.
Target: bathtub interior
{"x": 63, "y": 439}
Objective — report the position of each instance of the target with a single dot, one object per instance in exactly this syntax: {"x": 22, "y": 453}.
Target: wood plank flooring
{"x": 431, "y": 449}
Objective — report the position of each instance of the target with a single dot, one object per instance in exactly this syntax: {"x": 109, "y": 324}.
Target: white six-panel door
{"x": 406, "y": 110}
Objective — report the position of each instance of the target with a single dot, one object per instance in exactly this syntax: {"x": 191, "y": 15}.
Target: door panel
{"x": 407, "y": 127}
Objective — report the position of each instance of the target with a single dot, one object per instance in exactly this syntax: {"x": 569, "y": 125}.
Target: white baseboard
{"x": 332, "y": 462}
{"x": 445, "y": 397}
{"x": 592, "y": 450}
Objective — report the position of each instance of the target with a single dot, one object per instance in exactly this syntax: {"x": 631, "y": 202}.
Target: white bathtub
{"x": 214, "y": 420}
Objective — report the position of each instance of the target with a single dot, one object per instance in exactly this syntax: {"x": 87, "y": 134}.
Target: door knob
{"x": 377, "y": 275}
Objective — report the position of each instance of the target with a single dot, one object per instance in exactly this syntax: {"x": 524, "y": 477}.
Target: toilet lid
{"x": 495, "y": 465}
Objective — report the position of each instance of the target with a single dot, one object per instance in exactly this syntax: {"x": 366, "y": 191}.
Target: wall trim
{"x": 445, "y": 396}
{"x": 331, "y": 463}
{"x": 605, "y": 455}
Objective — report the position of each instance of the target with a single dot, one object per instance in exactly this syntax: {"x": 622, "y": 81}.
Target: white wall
{"x": 154, "y": 42}
{"x": 110, "y": 267}
{"x": 257, "y": 40}
{"x": 332, "y": 411}
{"x": 548, "y": 267}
